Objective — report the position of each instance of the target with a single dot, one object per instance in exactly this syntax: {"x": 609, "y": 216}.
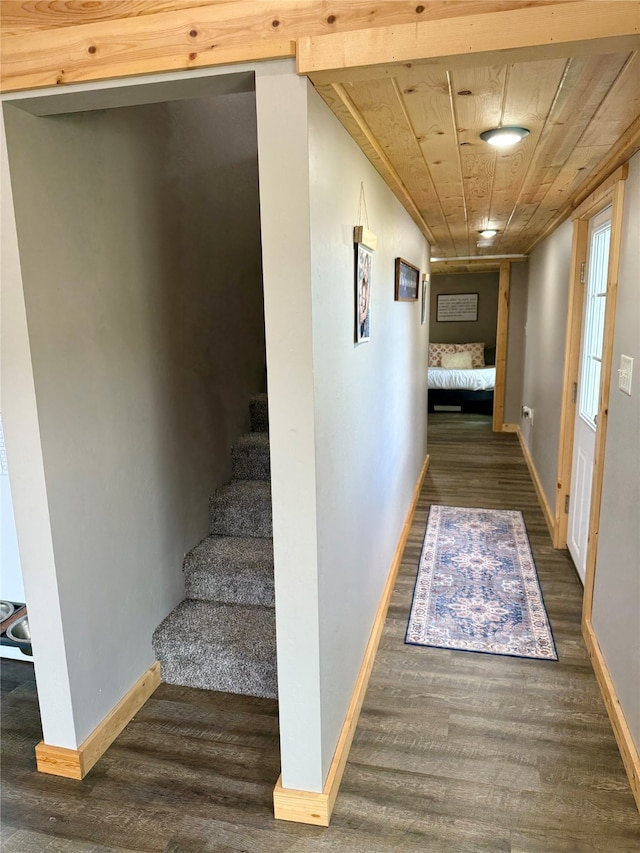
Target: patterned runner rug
{"x": 477, "y": 588}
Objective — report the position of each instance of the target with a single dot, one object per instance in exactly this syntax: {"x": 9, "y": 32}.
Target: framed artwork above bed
{"x": 457, "y": 308}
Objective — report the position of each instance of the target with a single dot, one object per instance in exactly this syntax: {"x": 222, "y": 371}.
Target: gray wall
{"x": 348, "y": 423}
{"x": 139, "y": 242}
{"x": 486, "y": 285}
{"x": 514, "y": 378}
{"x": 547, "y": 305}
{"x": 616, "y": 603}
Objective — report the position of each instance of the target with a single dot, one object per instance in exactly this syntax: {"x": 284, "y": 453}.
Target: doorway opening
{"x": 140, "y": 274}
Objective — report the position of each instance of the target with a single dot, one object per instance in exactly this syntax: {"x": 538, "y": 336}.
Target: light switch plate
{"x": 625, "y": 372}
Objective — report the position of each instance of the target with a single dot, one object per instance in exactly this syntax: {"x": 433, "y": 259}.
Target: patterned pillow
{"x": 477, "y": 353}
{"x": 436, "y": 351}
{"x": 457, "y": 360}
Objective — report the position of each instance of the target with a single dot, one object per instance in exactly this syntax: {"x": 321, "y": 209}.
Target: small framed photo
{"x": 364, "y": 259}
{"x": 407, "y": 281}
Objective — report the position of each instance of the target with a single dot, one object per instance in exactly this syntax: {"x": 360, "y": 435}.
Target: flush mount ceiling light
{"x": 502, "y": 137}
{"x": 488, "y": 232}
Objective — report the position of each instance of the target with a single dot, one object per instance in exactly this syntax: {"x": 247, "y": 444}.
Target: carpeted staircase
{"x": 223, "y": 635}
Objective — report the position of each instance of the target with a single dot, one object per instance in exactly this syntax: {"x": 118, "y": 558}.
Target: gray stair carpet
{"x": 231, "y": 569}
{"x": 227, "y": 647}
{"x": 222, "y": 636}
{"x": 250, "y": 457}
{"x": 242, "y": 508}
{"x": 259, "y": 413}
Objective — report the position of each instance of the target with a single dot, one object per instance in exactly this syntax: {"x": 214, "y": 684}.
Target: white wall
{"x": 140, "y": 252}
{"x": 547, "y": 305}
{"x": 348, "y": 423}
{"x": 283, "y": 150}
{"x": 370, "y": 404}
{"x": 616, "y": 602}
{"x": 11, "y": 586}
{"x": 23, "y": 440}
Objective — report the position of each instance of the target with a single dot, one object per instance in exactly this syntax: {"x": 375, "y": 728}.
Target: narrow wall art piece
{"x": 425, "y": 297}
{"x": 364, "y": 258}
{"x": 365, "y": 242}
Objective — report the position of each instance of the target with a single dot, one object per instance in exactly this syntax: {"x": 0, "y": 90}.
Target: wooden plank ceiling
{"x": 571, "y": 75}
{"x": 420, "y": 126}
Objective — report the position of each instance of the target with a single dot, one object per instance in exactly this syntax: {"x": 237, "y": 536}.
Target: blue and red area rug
{"x": 477, "y": 588}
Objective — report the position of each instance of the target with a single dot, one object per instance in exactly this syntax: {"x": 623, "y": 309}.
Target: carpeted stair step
{"x": 242, "y": 508}
{"x": 259, "y": 413}
{"x": 231, "y": 570}
{"x": 250, "y": 457}
{"x": 227, "y": 647}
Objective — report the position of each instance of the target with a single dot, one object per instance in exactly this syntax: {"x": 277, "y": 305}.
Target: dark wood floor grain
{"x": 454, "y": 753}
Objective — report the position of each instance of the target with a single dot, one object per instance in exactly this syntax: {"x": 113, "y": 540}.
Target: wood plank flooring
{"x": 454, "y": 753}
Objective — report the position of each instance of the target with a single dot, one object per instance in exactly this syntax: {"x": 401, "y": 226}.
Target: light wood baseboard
{"x": 546, "y": 509}
{"x": 626, "y": 744}
{"x": 510, "y": 427}
{"x": 316, "y": 807}
{"x": 76, "y": 763}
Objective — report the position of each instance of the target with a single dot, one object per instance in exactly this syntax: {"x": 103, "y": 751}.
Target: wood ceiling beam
{"x": 49, "y": 44}
{"x": 455, "y": 266}
{"x": 532, "y": 33}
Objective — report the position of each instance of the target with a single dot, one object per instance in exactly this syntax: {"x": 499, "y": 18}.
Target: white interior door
{"x": 588, "y": 391}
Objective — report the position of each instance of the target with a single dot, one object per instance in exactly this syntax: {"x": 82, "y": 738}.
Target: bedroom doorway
{"x": 469, "y": 319}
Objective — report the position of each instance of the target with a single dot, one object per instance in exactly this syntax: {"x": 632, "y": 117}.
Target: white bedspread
{"x": 479, "y": 379}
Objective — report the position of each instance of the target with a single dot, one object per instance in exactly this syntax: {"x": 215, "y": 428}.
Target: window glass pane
{"x": 594, "y": 322}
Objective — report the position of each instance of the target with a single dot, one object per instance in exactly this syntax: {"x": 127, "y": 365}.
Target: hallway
{"x": 454, "y": 752}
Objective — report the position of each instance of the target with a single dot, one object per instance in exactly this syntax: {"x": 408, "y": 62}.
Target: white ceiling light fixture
{"x": 488, "y": 233}
{"x": 503, "y": 137}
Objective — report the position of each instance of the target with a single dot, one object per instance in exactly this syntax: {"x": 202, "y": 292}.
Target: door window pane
{"x": 594, "y": 322}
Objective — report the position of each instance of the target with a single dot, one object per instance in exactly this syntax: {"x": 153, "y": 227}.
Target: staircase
{"x": 223, "y": 635}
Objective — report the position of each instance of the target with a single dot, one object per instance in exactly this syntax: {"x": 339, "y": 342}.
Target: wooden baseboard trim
{"x": 316, "y": 807}
{"x": 510, "y": 427}
{"x": 76, "y": 763}
{"x": 626, "y": 744}
{"x": 542, "y": 498}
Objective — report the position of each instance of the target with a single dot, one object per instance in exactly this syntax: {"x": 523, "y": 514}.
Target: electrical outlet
{"x": 527, "y": 413}
{"x": 625, "y": 373}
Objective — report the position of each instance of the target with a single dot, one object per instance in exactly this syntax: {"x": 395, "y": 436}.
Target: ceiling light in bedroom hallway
{"x": 488, "y": 232}
{"x": 503, "y": 137}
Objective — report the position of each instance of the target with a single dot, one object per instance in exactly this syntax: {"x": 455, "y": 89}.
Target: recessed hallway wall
{"x": 140, "y": 250}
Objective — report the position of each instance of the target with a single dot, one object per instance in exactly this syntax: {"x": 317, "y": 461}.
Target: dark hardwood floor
{"x": 454, "y": 751}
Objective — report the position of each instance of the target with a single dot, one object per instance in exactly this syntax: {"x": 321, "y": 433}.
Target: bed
{"x": 461, "y": 377}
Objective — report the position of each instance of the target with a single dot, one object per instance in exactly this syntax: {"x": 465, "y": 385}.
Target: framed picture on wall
{"x": 407, "y": 281}
{"x": 364, "y": 260}
{"x": 425, "y": 296}
{"x": 457, "y": 308}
